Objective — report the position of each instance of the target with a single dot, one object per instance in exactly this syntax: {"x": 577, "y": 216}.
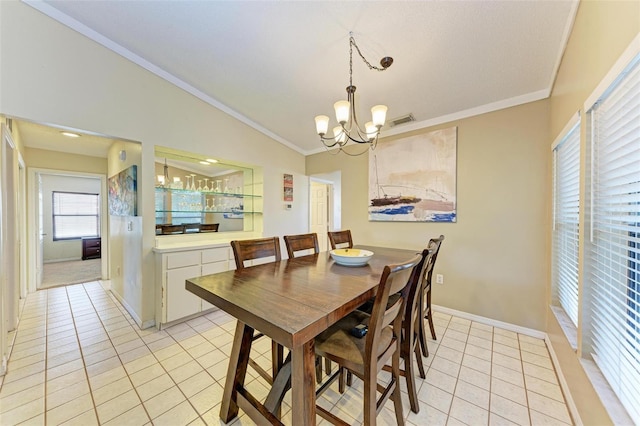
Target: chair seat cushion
{"x": 337, "y": 343}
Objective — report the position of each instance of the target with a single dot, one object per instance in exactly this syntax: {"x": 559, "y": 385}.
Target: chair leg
{"x": 422, "y": 334}
{"x": 318, "y": 369}
{"x": 327, "y": 366}
{"x": 416, "y": 350}
{"x": 277, "y": 358}
{"x": 409, "y": 376}
{"x": 370, "y": 398}
{"x": 433, "y": 330}
{"x": 429, "y": 314}
{"x": 341, "y": 380}
{"x": 395, "y": 395}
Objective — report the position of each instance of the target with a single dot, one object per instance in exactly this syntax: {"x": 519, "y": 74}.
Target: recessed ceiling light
{"x": 211, "y": 160}
{"x": 204, "y": 162}
{"x": 71, "y": 134}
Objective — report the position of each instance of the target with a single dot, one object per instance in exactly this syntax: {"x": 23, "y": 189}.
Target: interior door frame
{"x": 10, "y": 284}
{"x": 333, "y": 182}
{"x": 34, "y": 214}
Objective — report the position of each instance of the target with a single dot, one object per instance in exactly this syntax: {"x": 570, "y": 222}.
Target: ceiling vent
{"x": 401, "y": 120}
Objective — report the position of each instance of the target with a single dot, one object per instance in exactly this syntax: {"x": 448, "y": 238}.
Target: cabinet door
{"x": 180, "y": 302}
{"x": 213, "y": 268}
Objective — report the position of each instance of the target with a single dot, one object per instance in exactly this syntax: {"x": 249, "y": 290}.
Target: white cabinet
{"x": 180, "y": 302}
{"x": 174, "y": 268}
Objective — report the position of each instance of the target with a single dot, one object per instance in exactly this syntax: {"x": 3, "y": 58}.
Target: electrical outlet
{"x": 439, "y": 279}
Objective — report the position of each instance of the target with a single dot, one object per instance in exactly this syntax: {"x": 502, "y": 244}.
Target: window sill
{"x": 569, "y": 329}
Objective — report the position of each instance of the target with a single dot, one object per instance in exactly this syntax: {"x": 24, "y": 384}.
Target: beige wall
{"x": 45, "y": 159}
{"x": 602, "y": 31}
{"x": 494, "y": 258}
{"x": 51, "y": 74}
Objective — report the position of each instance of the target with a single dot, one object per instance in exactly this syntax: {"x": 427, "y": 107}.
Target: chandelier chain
{"x": 352, "y": 42}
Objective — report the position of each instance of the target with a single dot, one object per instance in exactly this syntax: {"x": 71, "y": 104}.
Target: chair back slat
{"x": 341, "y": 239}
{"x": 295, "y": 243}
{"x": 244, "y": 250}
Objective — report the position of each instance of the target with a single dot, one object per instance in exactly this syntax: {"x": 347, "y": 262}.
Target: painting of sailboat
{"x": 413, "y": 179}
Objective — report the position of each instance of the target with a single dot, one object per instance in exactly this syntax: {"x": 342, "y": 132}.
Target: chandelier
{"x": 349, "y": 129}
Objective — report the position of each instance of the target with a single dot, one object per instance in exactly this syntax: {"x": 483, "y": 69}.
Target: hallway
{"x": 79, "y": 359}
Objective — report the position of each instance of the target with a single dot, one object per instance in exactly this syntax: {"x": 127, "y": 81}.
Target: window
{"x": 613, "y": 248}
{"x": 75, "y": 215}
{"x": 566, "y": 216}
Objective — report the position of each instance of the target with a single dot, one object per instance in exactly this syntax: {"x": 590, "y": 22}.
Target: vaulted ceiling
{"x": 277, "y": 64}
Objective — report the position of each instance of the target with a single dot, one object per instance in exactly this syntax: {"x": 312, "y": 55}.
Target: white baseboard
{"x": 488, "y": 321}
{"x": 571, "y": 406}
{"x": 128, "y": 308}
{"x": 66, "y": 259}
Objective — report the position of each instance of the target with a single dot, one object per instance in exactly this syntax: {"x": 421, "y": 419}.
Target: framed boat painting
{"x": 413, "y": 179}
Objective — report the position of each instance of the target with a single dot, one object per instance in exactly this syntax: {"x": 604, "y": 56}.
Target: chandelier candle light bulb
{"x": 342, "y": 111}
{"x": 322, "y": 124}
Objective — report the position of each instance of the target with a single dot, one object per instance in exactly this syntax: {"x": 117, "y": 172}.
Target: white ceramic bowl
{"x": 351, "y": 257}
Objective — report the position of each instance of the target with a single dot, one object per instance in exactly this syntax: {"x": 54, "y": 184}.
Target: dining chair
{"x": 172, "y": 229}
{"x": 300, "y": 242}
{"x": 340, "y": 239}
{"x": 247, "y": 250}
{"x": 410, "y": 344}
{"x": 209, "y": 227}
{"x": 307, "y": 243}
{"x": 366, "y": 356}
{"x": 425, "y": 297}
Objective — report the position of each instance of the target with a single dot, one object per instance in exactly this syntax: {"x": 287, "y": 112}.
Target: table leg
{"x": 238, "y": 362}
{"x": 303, "y": 380}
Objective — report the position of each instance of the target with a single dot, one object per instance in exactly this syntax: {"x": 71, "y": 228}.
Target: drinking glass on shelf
{"x": 206, "y": 186}
{"x": 193, "y": 182}
{"x": 209, "y": 207}
{"x": 199, "y": 185}
{"x": 218, "y": 186}
{"x": 227, "y": 190}
{"x": 188, "y": 185}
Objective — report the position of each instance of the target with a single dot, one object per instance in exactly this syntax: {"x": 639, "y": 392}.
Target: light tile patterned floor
{"x": 79, "y": 359}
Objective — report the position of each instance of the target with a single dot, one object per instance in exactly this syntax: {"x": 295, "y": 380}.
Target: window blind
{"x": 614, "y": 249}
{"x": 75, "y": 215}
{"x": 566, "y": 212}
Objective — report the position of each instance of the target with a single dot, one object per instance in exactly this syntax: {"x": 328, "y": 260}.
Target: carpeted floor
{"x": 72, "y": 272}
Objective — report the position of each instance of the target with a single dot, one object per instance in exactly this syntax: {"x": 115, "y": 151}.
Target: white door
{"x": 319, "y": 212}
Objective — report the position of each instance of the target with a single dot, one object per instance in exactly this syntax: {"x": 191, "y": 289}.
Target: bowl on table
{"x": 351, "y": 256}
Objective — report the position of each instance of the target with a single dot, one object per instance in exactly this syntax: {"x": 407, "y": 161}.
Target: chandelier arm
{"x": 331, "y": 145}
{"x": 353, "y": 155}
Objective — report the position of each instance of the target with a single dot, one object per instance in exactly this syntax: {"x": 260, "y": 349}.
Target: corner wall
{"x": 601, "y": 32}
{"x": 51, "y": 74}
{"x": 494, "y": 259}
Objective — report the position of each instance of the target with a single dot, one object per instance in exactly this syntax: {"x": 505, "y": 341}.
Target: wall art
{"x": 123, "y": 193}
{"x": 413, "y": 179}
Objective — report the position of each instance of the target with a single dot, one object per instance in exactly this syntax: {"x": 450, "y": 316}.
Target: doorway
{"x": 319, "y": 212}
{"x": 57, "y": 261}
{"x": 324, "y": 206}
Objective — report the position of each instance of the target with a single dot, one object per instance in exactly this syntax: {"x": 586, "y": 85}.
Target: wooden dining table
{"x": 291, "y": 301}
